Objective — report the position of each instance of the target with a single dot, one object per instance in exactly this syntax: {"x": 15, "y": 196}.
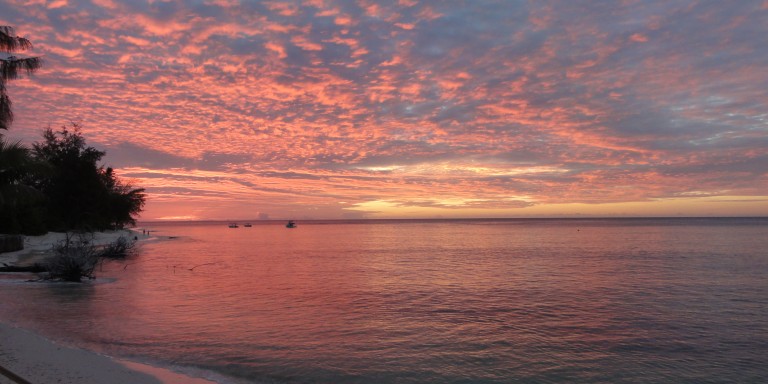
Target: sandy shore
{"x": 26, "y": 357}
{"x": 37, "y": 247}
{"x": 38, "y": 360}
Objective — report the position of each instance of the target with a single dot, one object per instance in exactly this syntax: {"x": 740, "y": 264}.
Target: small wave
{"x": 171, "y": 373}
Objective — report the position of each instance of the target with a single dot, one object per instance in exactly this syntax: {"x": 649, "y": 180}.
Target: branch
{"x": 10, "y": 66}
{"x": 10, "y": 42}
{"x": 200, "y": 265}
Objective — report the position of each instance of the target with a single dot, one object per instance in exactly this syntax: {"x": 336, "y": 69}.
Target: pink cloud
{"x": 57, "y": 4}
{"x": 291, "y": 108}
{"x": 639, "y": 38}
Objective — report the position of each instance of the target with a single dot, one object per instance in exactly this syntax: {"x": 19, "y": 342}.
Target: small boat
{"x": 291, "y": 224}
{"x": 233, "y": 225}
{"x": 247, "y": 225}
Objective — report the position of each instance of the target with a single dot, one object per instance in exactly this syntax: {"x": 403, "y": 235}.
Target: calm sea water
{"x": 477, "y": 301}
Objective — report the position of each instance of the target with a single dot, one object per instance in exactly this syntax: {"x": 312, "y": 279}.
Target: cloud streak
{"x": 337, "y": 108}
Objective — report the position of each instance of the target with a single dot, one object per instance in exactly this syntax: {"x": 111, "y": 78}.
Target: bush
{"x": 119, "y": 249}
{"x": 73, "y": 259}
{"x": 77, "y": 257}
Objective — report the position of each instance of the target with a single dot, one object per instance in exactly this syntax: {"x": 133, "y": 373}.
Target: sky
{"x": 324, "y": 109}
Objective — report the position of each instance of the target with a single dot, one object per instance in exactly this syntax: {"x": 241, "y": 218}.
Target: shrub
{"x": 73, "y": 259}
{"x": 119, "y": 249}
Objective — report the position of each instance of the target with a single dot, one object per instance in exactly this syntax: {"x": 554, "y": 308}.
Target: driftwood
{"x": 35, "y": 268}
{"x": 200, "y": 265}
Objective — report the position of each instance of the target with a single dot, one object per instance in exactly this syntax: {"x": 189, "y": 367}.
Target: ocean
{"x": 429, "y": 301}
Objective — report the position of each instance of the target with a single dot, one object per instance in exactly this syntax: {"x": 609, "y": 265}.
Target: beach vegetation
{"x": 77, "y": 256}
{"x": 121, "y": 248}
{"x": 73, "y": 259}
{"x": 58, "y": 184}
{"x": 21, "y": 205}
{"x": 81, "y": 194}
{"x": 12, "y": 64}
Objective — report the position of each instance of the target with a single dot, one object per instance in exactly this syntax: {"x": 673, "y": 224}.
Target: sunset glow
{"x": 397, "y": 109}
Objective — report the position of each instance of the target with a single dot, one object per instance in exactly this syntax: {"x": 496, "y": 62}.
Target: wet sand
{"x": 37, "y": 360}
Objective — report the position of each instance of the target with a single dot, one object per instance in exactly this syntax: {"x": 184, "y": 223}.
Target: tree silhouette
{"x": 81, "y": 194}
{"x": 10, "y": 68}
{"x": 21, "y": 206}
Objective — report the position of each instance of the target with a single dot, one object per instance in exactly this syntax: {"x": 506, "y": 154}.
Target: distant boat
{"x": 247, "y": 225}
{"x": 291, "y": 224}
{"x": 233, "y": 225}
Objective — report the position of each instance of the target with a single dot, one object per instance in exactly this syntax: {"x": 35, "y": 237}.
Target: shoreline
{"x": 28, "y": 357}
{"x": 37, "y": 248}
{"x": 39, "y": 360}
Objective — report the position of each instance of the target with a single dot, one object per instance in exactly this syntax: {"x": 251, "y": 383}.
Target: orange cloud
{"x": 639, "y": 38}
{"x": 407, "y": 107}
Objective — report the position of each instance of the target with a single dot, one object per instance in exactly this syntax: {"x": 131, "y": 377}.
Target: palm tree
{"x": 14, "y": 162}
{"x": 10, "y": 68}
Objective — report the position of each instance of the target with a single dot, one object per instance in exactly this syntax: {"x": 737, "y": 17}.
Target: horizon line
{"x": 444, "y": 218}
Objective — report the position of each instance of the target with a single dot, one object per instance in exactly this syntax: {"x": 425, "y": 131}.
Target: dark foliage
{"x": 59, "y": 185}
{"x": 119, "y": 249}
{"x": 81, "y": 195}
{"x": 11, "y": 243}
{"x": 76, "y": 257}
{"x": 10, "y": 68}
{"x": 10, "y": 42}
{"x": 73, "y": 259}
{"x": 22, "y": 207}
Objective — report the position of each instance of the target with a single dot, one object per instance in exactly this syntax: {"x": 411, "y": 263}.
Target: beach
{"x": 36, "y": 248}
{"x": 38, "y": 360}
{"x": 26, "y": 357}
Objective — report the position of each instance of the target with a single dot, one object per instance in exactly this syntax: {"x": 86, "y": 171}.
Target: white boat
{"x": 233, "y": 225}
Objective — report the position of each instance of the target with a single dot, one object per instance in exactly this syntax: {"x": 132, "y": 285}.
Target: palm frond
{"x": 14, "y": 161}
{"x": 9, "y": 42}
{"x": 12, "y": 66}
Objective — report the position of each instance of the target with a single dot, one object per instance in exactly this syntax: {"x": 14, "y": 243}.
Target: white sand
{"x": 37, "y": 247}
{"x": 38, "y": 360}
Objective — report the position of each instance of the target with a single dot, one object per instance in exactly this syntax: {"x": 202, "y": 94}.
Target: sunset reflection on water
{"x": 443, "y": 301}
